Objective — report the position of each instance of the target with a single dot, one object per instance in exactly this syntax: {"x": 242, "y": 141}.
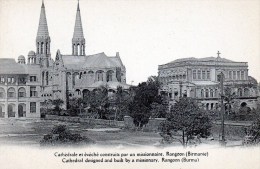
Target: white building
{"x": 198, "y": 78}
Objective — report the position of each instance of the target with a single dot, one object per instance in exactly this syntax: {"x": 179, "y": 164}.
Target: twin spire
{"x": 78, "y": 40}
{"x": 43, "y": 27}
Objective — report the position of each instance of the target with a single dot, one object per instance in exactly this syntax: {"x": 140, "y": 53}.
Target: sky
{"x": 146, "y": 33}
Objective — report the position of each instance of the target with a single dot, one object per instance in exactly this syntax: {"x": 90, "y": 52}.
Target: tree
{"x": 57, "y": 105}
{"x": 140, "y": 107}
{"x": 185, "y": 122}
{"x": 253, "y": 133}
{"x": 121, "y": 101}
{"x": 229, "y": 97}
{"x": 97, "y": 102}
{"x": 46, "y": 106}
{"x": 75, "y": 106}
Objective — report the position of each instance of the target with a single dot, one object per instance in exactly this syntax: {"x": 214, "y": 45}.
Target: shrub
{"x": 60, "y": 135}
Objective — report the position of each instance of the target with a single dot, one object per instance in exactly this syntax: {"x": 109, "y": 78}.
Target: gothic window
{"x": 238, "y": 75}
{"x": 109, "y": 75}
{"x": 211, "y": 93}
{"x": 47, "y": 78}
{"x": 33, "y": 92}
{"x": 208, "y": 74}
{"x": 2, "y": 93}
{"x": 80, "y": 75}
{"x": 21, "y": 92}
{"x": 75, "y": 78}
{"x": 203, "y": 74}
{"x": 32, "y": 107}
{"x": 207, "y": 93}
{"x": 194, "y": 74}
{"x": 11, "y": 92}
{"x": 42, "y": 48}
{"x": 240, "y": 92}
{"x": 211, "y": 106}
{"x": 99, "y": 75}
{"x": 42, "y": 78}
{"x": 199, "y": 74}
{"x": 207, "y": 106}
{"x": 242, "y": 75}
{"x": 78, "y": 49}
{"x": 46, "y": 48}
{"x": 202, "y": 93}
{"x": 38, "y": 47}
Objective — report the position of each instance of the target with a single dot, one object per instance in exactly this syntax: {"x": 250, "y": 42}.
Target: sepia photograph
{"x": 126, "y": 83}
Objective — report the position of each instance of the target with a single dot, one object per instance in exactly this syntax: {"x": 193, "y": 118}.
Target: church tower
{"x": 43, "y": 40}
{"x": 78, "y": 40}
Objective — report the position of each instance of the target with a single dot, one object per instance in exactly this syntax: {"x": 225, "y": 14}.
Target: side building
{"x": 199, "y": 78}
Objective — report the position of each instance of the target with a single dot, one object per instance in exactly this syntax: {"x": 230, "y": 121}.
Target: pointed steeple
{"x": 43, "y": 40}
{"x": 43, "y": 27}
{"x": 78, "y": 40}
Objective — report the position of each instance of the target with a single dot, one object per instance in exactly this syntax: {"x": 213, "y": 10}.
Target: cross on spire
{"x": 218, "y": 54}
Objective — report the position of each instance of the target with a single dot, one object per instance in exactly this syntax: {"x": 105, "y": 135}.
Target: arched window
{"x": 216, "y": 92}
{"x": 207, "y": 106}
{"x": 246, "y": 92}
{"x": 75, "y": 78}
{"x": 46, "y": 48}
{"x": 99, "y": 75}
{"x": 202, "y": 93}
{"x": 2, "y": 92}
{"x": 78, "y": 49}
{"x": 42, "y": 45}
{"x": 11, "y": 112}
{"x": 194, "y": 74}
{"x": 211, "y": 93}
{"x": 21, "y": 92}
{"x": 85, "y": 93}
{"x": 11, "y": 92}
{"x": 207, "y": 93}
{"x": 47, "y": 78}
{"x": 109, "y": 75}
{"x": 240, "y": 92}
{"x": 211, "y": 106}
{"x": 78, "y": 92}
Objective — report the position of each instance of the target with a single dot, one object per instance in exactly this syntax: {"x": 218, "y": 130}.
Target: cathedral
{"x": 199, "y": 78}
{"x": 24, "y": 85}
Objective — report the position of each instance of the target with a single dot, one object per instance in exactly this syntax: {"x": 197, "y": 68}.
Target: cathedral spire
{"x": 78, "y": 40}
{"x": 43, "y": 27}
{"x": 43, "y": 40}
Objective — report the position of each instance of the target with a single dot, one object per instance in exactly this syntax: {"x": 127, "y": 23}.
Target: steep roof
{"x": 9, "y": 66}
{"x": 78, "y": 30}
{"x": 43, "y": 27}
{"x": 100, "y": 60}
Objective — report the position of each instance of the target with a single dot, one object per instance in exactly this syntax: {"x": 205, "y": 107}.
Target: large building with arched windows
{"x": 198, "y": 78}
{"x": 24, "y": 86}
